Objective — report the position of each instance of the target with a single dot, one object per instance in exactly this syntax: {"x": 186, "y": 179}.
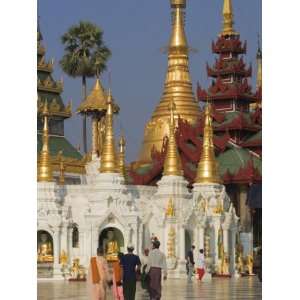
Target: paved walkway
{"x": 218, "y": 289}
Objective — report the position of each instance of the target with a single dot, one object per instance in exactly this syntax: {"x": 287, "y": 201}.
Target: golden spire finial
{"x": 177, "y": 86}
{"x": 61, "y": 179}
{"x": 178, "y": 39}
{"x": 122, "y": 166}
{"x": 170, "y": 210}
{"x": 259, "y": 66}
{"x": 207, "y": 171}
{"x": 228, "y": 19}
{"x": 45, "y": 168}
{"x": 108, "y": 155}
{"x": 172, "y": 164}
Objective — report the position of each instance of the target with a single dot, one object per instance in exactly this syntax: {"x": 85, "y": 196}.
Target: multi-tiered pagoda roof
{"x": 49, "y": 90}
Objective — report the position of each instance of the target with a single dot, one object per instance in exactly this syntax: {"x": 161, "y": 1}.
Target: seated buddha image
{"x": 111, "y": 247}
{"x": 45, "y": 249}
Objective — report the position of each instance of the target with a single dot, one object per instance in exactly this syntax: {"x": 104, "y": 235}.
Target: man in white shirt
{"x": 156, "y": 264}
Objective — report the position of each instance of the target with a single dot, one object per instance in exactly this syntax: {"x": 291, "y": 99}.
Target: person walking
{"x": 190, "y": 263}
{"x": 144, "y": 275}
{"x": 118, "y": 278}
{"x": 201, "y": 265}
{"x": 98, "y": 277}
{"x": 156, "y": 264}
{"x": 131, "y": 264}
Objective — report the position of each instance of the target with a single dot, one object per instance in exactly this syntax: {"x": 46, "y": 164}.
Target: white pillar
{"x": 56, "y": 241}
{"x": 94, "y": 243}
{"x": 140, "y": 239}
{"x": 182, "y": 243}
{"x": 225, "y": 240}
{"x": 64, "y": 239}
{"x": 201, "y": 237}
{"x": 233, "y": 233}
{"x": 215, "y": 243}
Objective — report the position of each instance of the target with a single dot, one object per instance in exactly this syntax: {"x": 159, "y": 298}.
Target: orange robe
{"x": 97, "y": 279}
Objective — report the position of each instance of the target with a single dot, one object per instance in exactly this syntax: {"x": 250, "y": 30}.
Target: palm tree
{"x": 85, "y": 56}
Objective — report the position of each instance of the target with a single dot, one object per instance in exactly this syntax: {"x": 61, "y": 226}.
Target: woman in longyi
{"x": 98, "y": 277}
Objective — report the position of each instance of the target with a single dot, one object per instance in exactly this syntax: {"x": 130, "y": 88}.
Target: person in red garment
{"x": 201, "y": 265}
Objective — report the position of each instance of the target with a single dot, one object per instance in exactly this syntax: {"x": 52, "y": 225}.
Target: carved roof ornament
{"x": 54, "y": 106}
{"x": 96, "y": 101}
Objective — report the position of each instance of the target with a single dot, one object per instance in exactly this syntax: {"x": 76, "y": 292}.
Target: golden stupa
{"x": 108, "y": 156}
{"x": 177, "y": 86}
{"x": 172, "y": 163}
{"x": 207, "y": 171}
{"x": 44, "y": 172}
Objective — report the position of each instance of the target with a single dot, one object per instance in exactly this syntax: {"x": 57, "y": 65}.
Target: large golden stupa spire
{"x": 172, "y": 164}
{"x": 45, "y": 168}
{"x": 207, "y": 171}
{"x": 228, "y": 19}
{"x": 177, "y": 86}
{"x": 108, "y": 155}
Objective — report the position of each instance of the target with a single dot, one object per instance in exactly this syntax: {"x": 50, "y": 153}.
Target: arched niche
{"x": 188, "y": 240}
{"x": 44, "y": 247}
{"x": 75, "y": 236}
{"x": 117, "y": 236}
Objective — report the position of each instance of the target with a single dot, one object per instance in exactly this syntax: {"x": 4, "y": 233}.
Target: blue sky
{"x": 135, "y": 31}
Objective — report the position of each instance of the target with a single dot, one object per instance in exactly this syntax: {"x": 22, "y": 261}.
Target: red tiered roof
{"x": 228, "y": 45}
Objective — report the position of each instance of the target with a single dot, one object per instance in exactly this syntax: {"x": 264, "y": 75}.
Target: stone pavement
{"x": 218, "y": 289}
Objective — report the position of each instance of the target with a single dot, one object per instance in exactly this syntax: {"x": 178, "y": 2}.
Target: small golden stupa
{"x": 44, "y": 167}
{"x": 207, "y": 171}
{"x": 172, "y": 163}
{"x": 108, "y": 157}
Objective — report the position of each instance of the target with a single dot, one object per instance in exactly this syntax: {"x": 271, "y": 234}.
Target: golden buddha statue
{"x": 75, "y": 268}
{"x": 170, "y": 210}
{"x": 112, "y": 248}
{"x": 225, "y": 265}
{"x": 63, "y": 259}
{"x": 250, "y": 264}
{"x": 45, "y": 250}
{"x": 239, "y": 258}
